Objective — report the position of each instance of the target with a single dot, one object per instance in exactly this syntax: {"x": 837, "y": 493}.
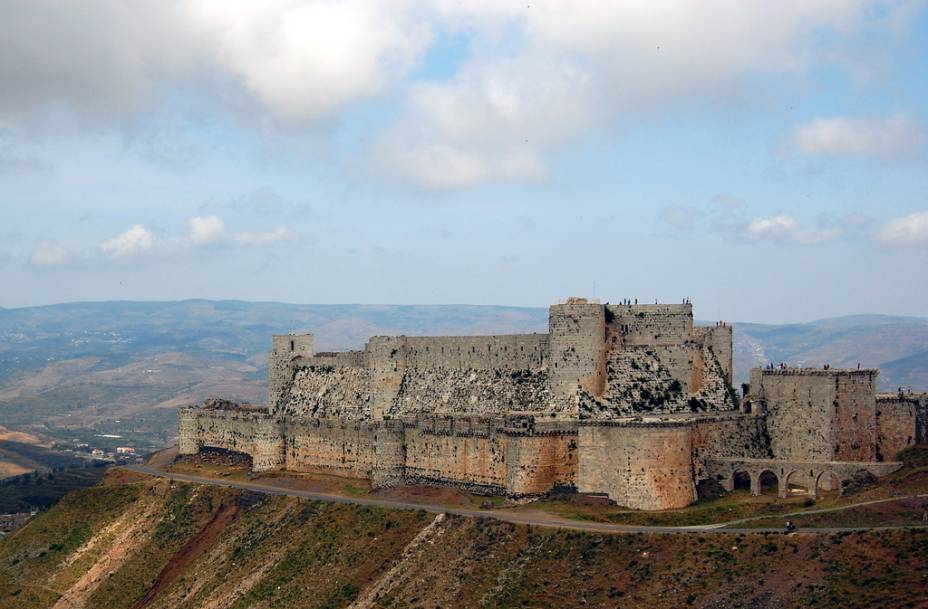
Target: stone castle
{"x": 629, "y": 401}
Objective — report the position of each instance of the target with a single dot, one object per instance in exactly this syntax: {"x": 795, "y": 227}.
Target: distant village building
{"x": 11, "y": 522}
{"x": 631, "y": 401}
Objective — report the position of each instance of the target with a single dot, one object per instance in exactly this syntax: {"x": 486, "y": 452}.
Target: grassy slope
{"x": 144, "y": 542}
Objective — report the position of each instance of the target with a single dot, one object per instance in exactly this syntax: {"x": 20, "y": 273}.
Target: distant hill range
{"x": 898, "y": 346}
{"x": 93, "y": 370}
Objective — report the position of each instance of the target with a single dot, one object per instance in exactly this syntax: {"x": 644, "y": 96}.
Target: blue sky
{"x": 766, "y": 161}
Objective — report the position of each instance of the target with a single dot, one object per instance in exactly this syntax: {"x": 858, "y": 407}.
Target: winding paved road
{"x": 534, "y": 518}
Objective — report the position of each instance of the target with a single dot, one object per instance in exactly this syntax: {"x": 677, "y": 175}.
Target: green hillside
{"x": 140, "y": 542}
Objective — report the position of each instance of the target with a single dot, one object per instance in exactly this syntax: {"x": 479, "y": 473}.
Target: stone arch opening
{"x": 797, "y": 483}
{"x": 768, "y": 483}
{"x": 827, "y": 483}
{"x": 740, "y": 480}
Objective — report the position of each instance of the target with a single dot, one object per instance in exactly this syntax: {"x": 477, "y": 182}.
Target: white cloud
{"x": 302, "y": 60}
{"x": 536, "y": 78}
{"x": 265, "y": 238}
{"x": 134, "y": 241}
{"x": 306, "y": 60}
{"x": 905, "y": 231}
{"x": 786, "y": 228}
{"x": 888, "y": 137}
{"x": 729, "y": 217}
{"x": 540, "y": 77}
{"x": 207, "y": 229}
{"x": 48, "y": 254}
{"x": 98, "y": 57}
{"x": 772, "y": 226}
{"x": 211, "y": 230}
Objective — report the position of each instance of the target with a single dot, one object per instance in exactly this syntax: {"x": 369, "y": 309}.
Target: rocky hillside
{"x": 138, "y": 542}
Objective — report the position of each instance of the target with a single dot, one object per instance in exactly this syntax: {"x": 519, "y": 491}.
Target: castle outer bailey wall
{"x": 535, "y": 464}
{"x": 254, "y": 433}
{"x": 330, "y": 446}
{"x": 506, "y": 456}
{"x": 515, "y": 456}
{"x": 638, "y": 465}
{"x": 725, "y": 436}
{"x": 356, "y": 449}
{"x": 438, "y": 454}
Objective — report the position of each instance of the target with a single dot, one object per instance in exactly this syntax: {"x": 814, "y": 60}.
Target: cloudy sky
{"x": 768, "y": 160}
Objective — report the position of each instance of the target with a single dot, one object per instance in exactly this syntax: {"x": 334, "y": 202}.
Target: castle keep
{"x": 629, "y": 401}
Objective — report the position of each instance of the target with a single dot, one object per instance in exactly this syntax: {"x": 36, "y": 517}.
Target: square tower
{"x": 816, "y": 414}
{"x": 285, "y": 348}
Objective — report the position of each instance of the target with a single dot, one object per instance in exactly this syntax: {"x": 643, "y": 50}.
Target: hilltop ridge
{"x": 70, "y": 370}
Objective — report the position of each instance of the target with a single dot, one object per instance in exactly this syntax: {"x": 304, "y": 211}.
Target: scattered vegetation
{"x": 914, "y": 456}
{"x": 286, "y": 552}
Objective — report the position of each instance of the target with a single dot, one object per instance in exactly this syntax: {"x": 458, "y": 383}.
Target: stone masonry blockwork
{"x": 631, "y": 401}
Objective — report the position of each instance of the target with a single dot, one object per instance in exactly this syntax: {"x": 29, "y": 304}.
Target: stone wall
{"x": 254, "y": 433}
{"x": 502, "y": 413}
{"x": 437, "y": 454}
{"x": 644, "y": 379}
{"x": 284, "y": 348}
{"x": 896, "y": 419}
{"x": 732, "y": 435}
{"x": 327, "y": 390}
{"x": 536, "y": 463}
{"x": 608, "y": 361}
{"x": 657, "y": 324}
{"x": 855, "y": 420}
{"x": 472, "y": 392}
{"x": 641, "y": 466}
{"x": 719, "y": 339}
{"x": 188, "y": 439}
{"x": 577, "y": 345}
{"x": 512, "y": 456}
{"x": 386, "y": 362}
{"x": 819, "y": 415}
{"x": 358, "y": 449}
{"x": 505, "y": 352}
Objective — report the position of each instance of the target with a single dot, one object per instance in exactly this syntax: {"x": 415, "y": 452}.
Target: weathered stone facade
{"x": 631, "y": 401}
{"x": 819, "y": 415}
{"x": 902, "y": 421}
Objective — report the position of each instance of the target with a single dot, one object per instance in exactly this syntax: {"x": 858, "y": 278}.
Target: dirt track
{"x": 541, "y": 519}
